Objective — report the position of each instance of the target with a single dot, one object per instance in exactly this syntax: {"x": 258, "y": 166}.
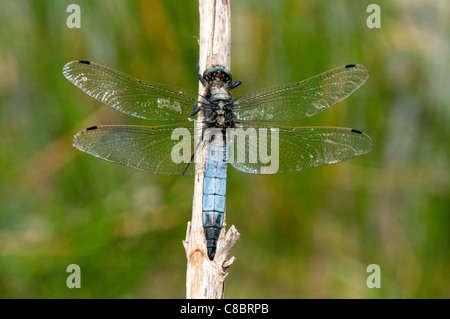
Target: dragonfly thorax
{"x": 220, "y": 96}
{"x": 220, "y": 104}
{"x": 219, "y": 83}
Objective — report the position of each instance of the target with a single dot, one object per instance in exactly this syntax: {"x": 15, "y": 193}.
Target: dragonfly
{"x": 232, "y": 131}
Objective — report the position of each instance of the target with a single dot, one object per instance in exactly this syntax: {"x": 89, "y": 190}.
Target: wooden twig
{"x": 205, "y": 278}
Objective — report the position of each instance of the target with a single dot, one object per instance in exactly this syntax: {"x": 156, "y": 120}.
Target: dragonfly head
{"x": 217, "y": 73}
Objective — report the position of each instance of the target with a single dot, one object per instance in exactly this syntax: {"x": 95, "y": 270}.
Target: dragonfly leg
{"x": 200, "y": 77}
{"x": 234, "y": 84}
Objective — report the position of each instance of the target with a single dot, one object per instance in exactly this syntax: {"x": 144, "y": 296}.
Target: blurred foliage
{"x": 304, "y": 235}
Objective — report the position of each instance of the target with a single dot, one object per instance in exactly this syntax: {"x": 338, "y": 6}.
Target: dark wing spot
{"x": 350, "y": 65}
{"x": 356, "y": 131}
{"x": 91, "y": 128}
{"x": 84, "y": 62}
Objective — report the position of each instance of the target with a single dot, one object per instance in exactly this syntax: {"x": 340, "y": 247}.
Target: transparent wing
{"x": 157, "y": 150}
{"x": 300, "y": 100}
{"x": 147, "y": 100}
{"x": 285, "y": 149}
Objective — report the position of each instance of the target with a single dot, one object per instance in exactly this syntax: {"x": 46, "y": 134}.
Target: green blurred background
{"x": 310, "y": 234}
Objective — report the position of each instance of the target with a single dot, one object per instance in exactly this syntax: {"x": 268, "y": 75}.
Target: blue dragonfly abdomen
{"x": 214, "y": 192}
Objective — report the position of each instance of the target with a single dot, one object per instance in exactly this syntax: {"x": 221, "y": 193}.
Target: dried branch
{"x": 205, "y": 278}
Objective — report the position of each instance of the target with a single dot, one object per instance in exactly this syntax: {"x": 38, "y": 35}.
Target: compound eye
{"x": 217, "y": 72}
